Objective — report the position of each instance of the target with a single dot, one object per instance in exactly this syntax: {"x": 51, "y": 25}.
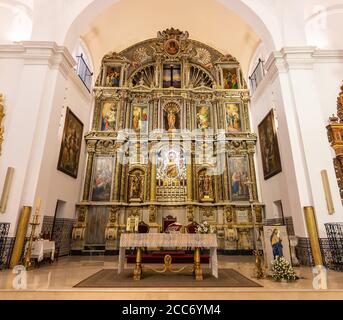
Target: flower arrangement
{"x": 283, "y": 271}
{"x": 204, "y": 228}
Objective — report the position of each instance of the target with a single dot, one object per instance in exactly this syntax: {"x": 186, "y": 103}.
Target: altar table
{"x": 163, "y": 240}
{"x": 42, "y": 248}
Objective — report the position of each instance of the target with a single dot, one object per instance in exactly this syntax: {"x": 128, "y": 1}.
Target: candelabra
{"x": 34, "y": 224}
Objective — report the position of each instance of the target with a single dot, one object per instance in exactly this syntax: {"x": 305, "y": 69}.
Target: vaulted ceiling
{"x": 130, "y": 21}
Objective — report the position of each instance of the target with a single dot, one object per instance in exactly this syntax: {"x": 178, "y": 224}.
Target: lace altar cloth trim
{"x": 161, "y": 240}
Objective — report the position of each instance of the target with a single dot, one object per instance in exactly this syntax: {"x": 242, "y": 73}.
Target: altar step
{"x": 177, "y": 257}
{"x": 96, "y": 250}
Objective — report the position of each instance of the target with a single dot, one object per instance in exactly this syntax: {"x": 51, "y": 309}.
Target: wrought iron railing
{"x": 84, "y": 72}
{"x": 257, "y": 75}
{"x": 4, "y": 229}
{"x": 335, "y": 236}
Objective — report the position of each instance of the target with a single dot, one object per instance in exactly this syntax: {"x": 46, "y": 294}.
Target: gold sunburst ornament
{"x": 2, "y": 116}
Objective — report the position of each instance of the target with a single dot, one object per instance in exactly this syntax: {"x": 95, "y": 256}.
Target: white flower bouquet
{"x": 283, "y": 270}
{"x": 204, "y": 228}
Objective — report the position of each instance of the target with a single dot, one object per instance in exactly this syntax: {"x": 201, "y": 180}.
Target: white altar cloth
{"x": 163, "y": 240}
{"x": 41, "y": 248}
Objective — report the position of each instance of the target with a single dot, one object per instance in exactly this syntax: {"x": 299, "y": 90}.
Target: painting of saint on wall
{"x": 140, "y": 118}
{"x": 109, "y": 116}
{"x": 203, "y": 117}
{"x": 102, "y": 181}
{"x": 230, "y": 77}
{"x": 112, "y": 78}
{"x": 71, "y": 145}
{"x": 172, "y": 76}
{"x": 239, "y": 176}
{"x": 271, "y": 160}
{"x": 276, "y": 244}
{"x": 233, "y": 117}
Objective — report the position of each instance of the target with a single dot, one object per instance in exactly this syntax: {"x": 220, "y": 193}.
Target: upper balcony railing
{"x": 84, "y": 72}
{"x": 257, "y": 75}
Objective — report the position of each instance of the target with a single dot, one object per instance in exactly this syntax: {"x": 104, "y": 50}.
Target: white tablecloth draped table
{"x": 41, "y": 248}
{"x": 163, "y": 240}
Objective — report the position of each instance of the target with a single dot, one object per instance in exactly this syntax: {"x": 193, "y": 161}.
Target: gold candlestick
{"x": 35, "y": 222}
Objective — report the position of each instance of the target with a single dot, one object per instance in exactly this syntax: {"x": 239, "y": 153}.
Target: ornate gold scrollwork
{"x": 79, "y": 228}
{"x": 335, "y": 135}
{"x": 112, "y": 225}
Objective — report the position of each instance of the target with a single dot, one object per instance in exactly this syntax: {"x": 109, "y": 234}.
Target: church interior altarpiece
{"x": 170, "y": 137}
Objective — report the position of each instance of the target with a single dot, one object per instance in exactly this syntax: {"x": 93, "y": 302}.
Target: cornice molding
{"x": 40, "y": 53}
{"x": 302, "y": 58}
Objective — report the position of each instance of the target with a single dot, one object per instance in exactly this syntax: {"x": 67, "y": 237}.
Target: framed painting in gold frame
{"x": 269, "y": 144}
{"x": 69, "y": 158}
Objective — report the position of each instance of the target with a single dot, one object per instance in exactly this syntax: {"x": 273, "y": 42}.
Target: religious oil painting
{"x": 203, "y": 117}
{"x": 172, "y": 76}
{"x": 269, "y": 147}
{"x": 109, "y": 116}
{"x": 172, "y": 47}
{"x": 230, "y": 78}
{"x": 239, "y": 176}
{"x": 71, "y": 145}
{"x": 102, "y": 180}
{"x": 140, "y": 118}
{"x": 112, "y": 78}
{"x": 233, "y": 117}
{"x": 276, "y": 244}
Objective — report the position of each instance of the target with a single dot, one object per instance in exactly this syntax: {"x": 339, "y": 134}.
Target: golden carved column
{"x": 313, "y": 234}
{"x": 20, "y": 236}
{"x": 226, "y": 194}
{"x": 190, "y": 180}
{"x": 88, "y": 177}
{"x": 153, "y": 178}
{"x": 251, "y": 154}
{"x": 117, "y": 179}
{"x": 124, "y": 181}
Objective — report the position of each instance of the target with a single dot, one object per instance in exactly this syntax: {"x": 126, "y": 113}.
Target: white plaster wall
{"x": 329, "y": 79}
{"x": 10, "y": 72}
{"x": 38, "y": 90}
{"x": 282, "y": 186}
{"x": 303, "y": 103}
{"x": 54, "y": 185}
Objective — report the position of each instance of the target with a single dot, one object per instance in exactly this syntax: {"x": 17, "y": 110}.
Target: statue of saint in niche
{"x": 172, "y": 117}
{"x": 136, "y": 187}
{"x": 206, "y": 187}
{"x": 171, "y": 121}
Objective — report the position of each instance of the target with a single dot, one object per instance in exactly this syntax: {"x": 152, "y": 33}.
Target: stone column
{"x": 89, "y": 170}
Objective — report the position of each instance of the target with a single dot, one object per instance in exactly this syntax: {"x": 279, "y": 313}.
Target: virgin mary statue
{"x": 276, "y": 242}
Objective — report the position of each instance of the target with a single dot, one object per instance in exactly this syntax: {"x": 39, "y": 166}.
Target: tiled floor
{"x": 57, "y": 281}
